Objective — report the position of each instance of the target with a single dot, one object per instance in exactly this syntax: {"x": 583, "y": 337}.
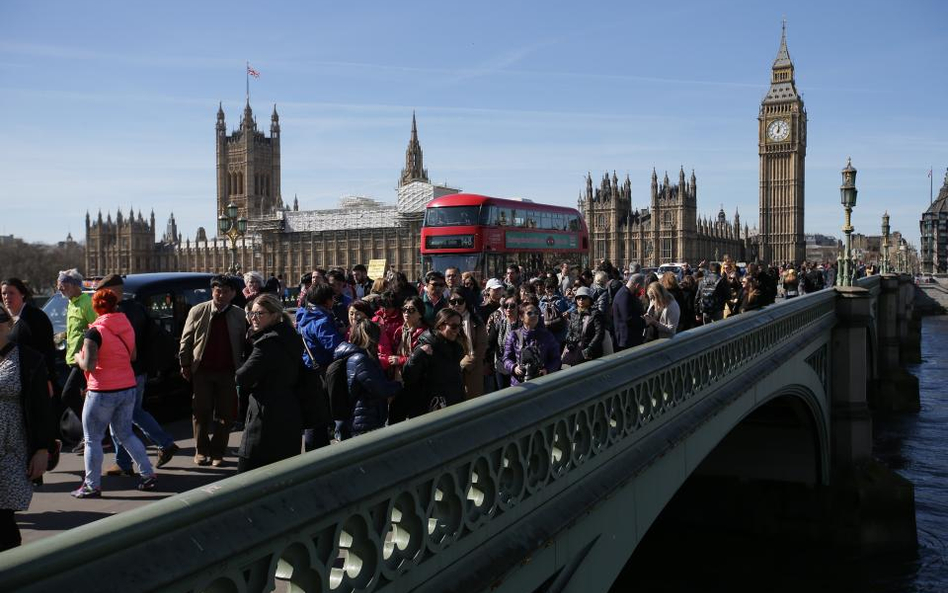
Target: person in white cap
{"x": 494, "y": 295}
{"x": 586, "y": 330}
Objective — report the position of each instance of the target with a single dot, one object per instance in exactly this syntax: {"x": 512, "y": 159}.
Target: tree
{"x": 39, "y": 264}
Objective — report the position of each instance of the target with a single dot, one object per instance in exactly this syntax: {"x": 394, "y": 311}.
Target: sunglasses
{"x": 531, "y": 313}
{"x": 409, "y": 310}
{"x": 456, "y": 301}
{"x": 510, "y": 306}
{"x": 256, "y": 314}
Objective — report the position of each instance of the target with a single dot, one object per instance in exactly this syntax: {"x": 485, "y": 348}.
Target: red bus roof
{"x": 479, "y": 200}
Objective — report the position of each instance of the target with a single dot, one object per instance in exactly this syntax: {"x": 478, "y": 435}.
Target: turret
{"x": 296, "y": 204}
{"x": 221, "y": 127}
{"x": 274, "y": 123}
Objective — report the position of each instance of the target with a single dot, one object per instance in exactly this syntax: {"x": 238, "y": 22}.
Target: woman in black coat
{"x": 270, "y": 377}
{"x": 25, "y": 428}
{"x": 432, "y": 375}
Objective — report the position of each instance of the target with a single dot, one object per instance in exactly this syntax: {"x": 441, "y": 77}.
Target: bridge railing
{"x": 397, "y": 508}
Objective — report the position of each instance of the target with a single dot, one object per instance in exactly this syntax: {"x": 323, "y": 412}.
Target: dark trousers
{"x": 72, "y": 389}
{"x": 9, "y": 532}
{"x": 214, "y": 407}
{"x": 314, "y": 438}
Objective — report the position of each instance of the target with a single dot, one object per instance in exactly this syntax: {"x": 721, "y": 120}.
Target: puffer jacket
{"x": 546, "y": 350}
{"x": 590, "y": 338}
{"x": 434, "y": 375}
{"x": 369, "y": 389}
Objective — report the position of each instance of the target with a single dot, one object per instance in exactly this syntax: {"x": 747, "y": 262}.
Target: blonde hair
{"x": 659, "y": 294}
{"x": 272, "y": 304}
{"x": 669, "y": 280}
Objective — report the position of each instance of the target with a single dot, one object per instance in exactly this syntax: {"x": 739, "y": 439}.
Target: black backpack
{"x": 337, "y": 386}
{"x": 709, "y": 299}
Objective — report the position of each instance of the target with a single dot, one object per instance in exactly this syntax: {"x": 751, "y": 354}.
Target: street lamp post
{"x": 233, "y": 228}
{"x": 885, "y": 243}
{"x": 846, "y": 266}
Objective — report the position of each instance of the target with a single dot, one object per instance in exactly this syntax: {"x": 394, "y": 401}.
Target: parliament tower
{"x": 248, "y": 166}
{"x": 782, "y": 148}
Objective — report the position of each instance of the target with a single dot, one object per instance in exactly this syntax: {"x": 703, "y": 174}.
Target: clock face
{"x": 778, "y": 130}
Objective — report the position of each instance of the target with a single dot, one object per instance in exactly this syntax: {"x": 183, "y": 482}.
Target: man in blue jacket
{"x": 316, "y": 323}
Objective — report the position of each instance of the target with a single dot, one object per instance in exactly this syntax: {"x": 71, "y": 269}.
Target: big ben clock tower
{"x": 782, "y": 142}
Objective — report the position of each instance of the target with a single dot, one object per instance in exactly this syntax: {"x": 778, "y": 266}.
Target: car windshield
{"x": 55, "y": 309}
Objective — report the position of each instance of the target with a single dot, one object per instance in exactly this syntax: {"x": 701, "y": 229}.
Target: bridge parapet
{"x": 457, "y": 499}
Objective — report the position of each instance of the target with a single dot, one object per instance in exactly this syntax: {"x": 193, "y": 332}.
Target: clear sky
{"x": 109, "y": 105}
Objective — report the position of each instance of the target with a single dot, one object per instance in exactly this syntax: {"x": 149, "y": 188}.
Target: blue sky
{"x": 112, "y": 104}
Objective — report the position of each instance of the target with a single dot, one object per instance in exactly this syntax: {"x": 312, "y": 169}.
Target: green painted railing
{"x": 396, "y": 508}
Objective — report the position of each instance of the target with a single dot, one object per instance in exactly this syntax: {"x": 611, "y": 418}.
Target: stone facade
{"x": 934, "y": 234}
{"x": 668, "y": 231}
{"x": 782, "y": 149}
{"x": 279, "y": 241}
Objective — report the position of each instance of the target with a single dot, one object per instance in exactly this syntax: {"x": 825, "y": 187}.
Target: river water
{"x": 916, "y": 446}
{"x": 679, "y": 558}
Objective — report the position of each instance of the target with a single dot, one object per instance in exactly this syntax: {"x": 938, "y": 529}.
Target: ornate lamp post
{"x": 846, "y": 266}
{"x": 885, "y": 243}
{"x": 233, "y": 228}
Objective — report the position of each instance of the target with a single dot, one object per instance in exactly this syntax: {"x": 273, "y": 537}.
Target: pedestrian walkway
{"x": 53, "y": 510}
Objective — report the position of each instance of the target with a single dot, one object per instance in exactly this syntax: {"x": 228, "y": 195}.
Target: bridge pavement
{"x": 53, "y": 510}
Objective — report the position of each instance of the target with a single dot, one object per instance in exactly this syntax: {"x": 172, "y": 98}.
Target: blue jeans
{"x": 102, "y": 410}
{"x": 146, "y": 422}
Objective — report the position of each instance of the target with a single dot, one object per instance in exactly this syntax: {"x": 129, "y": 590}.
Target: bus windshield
{"x": 452, "y": 216}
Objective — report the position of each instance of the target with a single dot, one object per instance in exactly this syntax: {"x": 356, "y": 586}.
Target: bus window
{"x": 452, "y": 216}
{"x": 489, "y": 215}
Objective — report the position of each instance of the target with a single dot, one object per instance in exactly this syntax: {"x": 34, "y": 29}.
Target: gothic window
{"x": 600, "y": 221}
{"x": 666, "y": 250}
{"x": 240, "y": 183}
{"x": 667, "y": 222}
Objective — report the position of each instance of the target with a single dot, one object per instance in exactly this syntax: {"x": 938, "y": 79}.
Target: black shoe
{"x": 165, "y": 454}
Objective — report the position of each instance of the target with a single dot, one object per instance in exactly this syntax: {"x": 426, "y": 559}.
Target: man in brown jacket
{"x": 210, "y": 353}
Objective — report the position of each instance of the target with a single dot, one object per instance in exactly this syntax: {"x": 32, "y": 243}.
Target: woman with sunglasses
{"x": 475, "y": 344}
{"x": 500, "y": 324}
{"x": 406, "y": 341}
{"x": 531, "y": 351}
{"x": 433, "y": 373}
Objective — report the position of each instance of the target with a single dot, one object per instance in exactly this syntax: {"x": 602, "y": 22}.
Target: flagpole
{"x": 931, "y": 181}
{"x": 247, "y": 75}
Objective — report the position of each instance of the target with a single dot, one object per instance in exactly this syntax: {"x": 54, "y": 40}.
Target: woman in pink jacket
{"x": 106, "y": 357}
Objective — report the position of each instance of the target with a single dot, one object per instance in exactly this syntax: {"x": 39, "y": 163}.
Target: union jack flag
{"x": 252, "y": 72}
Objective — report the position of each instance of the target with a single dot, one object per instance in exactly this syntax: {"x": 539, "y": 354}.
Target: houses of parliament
{"x": 289, "y": 241}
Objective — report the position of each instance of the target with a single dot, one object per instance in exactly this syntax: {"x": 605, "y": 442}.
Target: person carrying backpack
{"x": 367, "y": 387}
{"x": 712, "y": 293}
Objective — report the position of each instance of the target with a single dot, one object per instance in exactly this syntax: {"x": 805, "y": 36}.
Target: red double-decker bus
{"x": 485, "y": 235}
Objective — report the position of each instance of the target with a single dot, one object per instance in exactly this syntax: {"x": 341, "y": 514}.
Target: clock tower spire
{"x": 782, "y": 150}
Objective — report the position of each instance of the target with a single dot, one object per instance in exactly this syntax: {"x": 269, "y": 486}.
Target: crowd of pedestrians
{"x": 357, "y": 354}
